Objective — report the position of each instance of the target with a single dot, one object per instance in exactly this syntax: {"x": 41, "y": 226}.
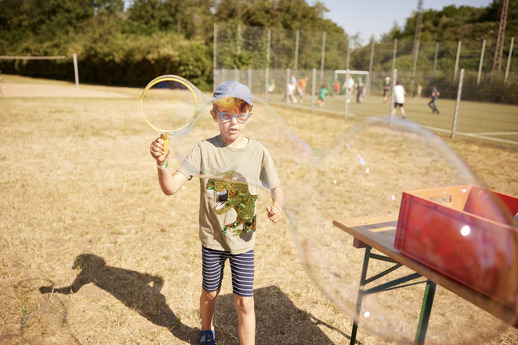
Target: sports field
{"x": 491, "y": 122}
{"x": 81, "y": 208}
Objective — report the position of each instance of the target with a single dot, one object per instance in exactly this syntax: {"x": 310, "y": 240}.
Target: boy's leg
{"x": 207, "y": 307}
{"x": 246, "y": 319}
{"x": 212, "y": 271}
{"x": 242, "y": 267}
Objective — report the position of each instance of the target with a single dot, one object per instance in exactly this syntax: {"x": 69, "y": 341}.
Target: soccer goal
{"x": 341, "y": 75}
{"x": 58, "y": 57}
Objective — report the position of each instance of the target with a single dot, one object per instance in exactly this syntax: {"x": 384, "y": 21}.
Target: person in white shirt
{"x": 399, "y": 99}
{"x": 348, "y": 87}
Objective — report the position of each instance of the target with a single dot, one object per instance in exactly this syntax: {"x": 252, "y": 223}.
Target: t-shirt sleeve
{"x": 191, "y": 165}
{"x": 269, "y": 176}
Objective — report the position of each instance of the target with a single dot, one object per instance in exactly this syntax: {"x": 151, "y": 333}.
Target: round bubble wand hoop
{"x": 169, "y": 105}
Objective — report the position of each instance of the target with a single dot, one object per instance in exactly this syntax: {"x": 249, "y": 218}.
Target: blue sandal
{"x": 207, "y": 338}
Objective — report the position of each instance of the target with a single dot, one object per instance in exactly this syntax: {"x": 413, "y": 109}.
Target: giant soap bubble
{"x": 361, "y": 178}
{"x": 232, "y": 190}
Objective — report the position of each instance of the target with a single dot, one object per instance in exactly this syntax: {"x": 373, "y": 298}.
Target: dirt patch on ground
{"x": 50, "y": 90}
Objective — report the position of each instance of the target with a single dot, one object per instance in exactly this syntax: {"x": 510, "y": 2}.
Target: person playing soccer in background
{"x": 336, "y": 86}
{"x": 386, "y": 89}
{"x": 271, "y": 88}
{"x": 433, "y": 102}
{"x": 242, "y": 164}
{"x": 321, "y": 96}
{"x": 399, "y": 99}
{"x": 348, "y": 87}
{"x": 301, "y": 88}
{"x": 359, "y": 91}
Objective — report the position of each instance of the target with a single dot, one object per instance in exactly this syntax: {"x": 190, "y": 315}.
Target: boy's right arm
{"x": 170, "y": 183}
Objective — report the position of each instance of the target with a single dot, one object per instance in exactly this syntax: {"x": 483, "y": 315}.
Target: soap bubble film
{"x": 364, "y": 174}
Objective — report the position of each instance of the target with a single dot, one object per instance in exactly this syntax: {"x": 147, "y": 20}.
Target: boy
{"x": 230, "y": 166}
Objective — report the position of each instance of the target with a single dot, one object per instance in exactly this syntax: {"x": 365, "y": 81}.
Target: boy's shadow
{"x": 138, "y": 291}
{"x": 278, "y": 319}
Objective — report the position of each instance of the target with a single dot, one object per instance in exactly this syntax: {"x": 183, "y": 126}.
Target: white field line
{"x": 497, "y": 133}
{"x": 478, "y": 135}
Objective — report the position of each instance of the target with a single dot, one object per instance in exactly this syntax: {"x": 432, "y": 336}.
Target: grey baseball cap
{"x": 233, "y": 89}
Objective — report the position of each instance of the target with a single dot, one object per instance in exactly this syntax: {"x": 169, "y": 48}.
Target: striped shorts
{"x": 241, "y": 265}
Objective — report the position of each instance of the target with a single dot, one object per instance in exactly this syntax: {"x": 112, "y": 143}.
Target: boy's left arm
{"x": 275, "y": 210}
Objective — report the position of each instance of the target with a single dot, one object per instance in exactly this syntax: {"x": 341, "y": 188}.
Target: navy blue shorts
{"x": 241, "y": 265}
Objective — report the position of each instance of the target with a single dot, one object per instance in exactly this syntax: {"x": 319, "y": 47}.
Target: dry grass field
{"x": 92, "y": 252}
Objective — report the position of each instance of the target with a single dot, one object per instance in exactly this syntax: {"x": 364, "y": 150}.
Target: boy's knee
{"x": 244, "y": 304}
{"x": 209, "y": 295}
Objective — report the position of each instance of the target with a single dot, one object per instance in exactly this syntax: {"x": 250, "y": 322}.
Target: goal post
{"x": 341, "y": 76}
{"x": 48, "y": 57}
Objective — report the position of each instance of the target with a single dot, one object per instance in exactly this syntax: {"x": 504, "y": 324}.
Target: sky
{"x": 376, "y": 17}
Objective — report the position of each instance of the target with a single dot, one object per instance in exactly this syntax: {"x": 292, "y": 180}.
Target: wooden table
{"x": 378, "y": 232}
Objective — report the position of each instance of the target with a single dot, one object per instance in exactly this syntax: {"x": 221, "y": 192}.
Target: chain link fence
{"x": 483, "y": 105}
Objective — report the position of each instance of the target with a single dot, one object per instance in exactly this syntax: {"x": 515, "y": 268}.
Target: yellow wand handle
{"x": 166, "y": 146}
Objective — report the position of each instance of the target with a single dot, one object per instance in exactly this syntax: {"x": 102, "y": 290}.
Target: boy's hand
{"x": 157, "y": 150}
{"x": 274, "y": 213}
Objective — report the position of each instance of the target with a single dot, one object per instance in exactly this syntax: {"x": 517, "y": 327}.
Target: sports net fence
{"x": 257, "y": 56}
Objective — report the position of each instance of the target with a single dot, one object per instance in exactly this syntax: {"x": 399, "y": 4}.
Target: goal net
{"x": 363, "y": 77}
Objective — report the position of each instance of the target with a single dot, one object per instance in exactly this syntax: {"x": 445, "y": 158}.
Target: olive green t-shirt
{"x": 230, "y": 180}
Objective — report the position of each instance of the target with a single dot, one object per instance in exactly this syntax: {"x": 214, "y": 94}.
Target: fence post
{"x": 457, "y": 62}
{"x": 76, "y": 71}
{"x": 214, "y": 81}
{"x": 509, "y": 60}
{"x": 322, "y": 58}
{"x": 267, "y": 76}
{"x": 348, "y": 55}
{"x": 347, "y": 100}
{"x": 394, "y": 54}
{"x": 313, "y": 89}
{"x": 266, "y": 81}
{"x": 238, "y": 39}
{"x": 370, "y": 67}
{"x": 457, "y": 104}
{"x": 297, "y": 50}
{"x": 435, "y": 59}
{"x": 287, "y": 86}
{"x": 268, "y": 47}
{"x": 481, "y": 61}
{"x": 394, "y": 78}
{"x": 416, "y": 53}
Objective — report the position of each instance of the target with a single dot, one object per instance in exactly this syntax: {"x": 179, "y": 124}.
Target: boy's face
{"x": 231, "y": 129}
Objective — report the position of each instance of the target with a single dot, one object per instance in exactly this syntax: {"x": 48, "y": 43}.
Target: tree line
{"x": 120, "y": 43}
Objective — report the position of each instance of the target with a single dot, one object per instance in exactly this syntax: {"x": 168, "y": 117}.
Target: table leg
{"x": 426, "y": 309}
{"x": 360, "y": 294}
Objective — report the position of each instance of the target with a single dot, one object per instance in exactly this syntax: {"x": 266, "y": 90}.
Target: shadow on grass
{"x": 138, "y": 291}
{"x": 278, "y": 321}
